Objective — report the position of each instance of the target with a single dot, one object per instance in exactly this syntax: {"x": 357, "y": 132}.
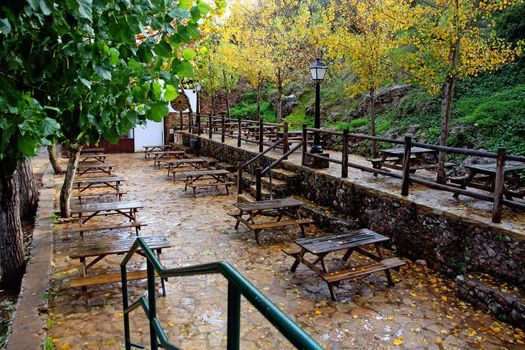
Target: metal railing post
{"x": 499, "y": 185}
{"x": 261, "y": 135}
{"x": 222, "y": 128}
{"x": 258, "y": 184}
{"x": 152, "y": 302}
{"x": 344, "y": 160}
{"x": 125, "y": 304}
{"x": 240, "y": 132}
{"x": 234, "y": 318}
{"x": 210, "y": 131}
{"x": 239, "y": 178}
{"x": 286, "y": 146}
{"x": 305, "y": 136}
{"x": 406, "y": 166}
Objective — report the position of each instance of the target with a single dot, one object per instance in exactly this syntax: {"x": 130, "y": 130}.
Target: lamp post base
{"x": 316, "y": 149}
{"x": 317, "y": 163}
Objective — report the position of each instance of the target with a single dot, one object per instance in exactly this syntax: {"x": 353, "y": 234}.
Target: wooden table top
{"x": 202, "y": 172}
{"x": 88, "y": 165}
{"x": 401, "y": 151}
{"x": 269, "y": 204}
{"x": 492, "y": 167}
{"x": 167, "y": 152}
{"x": 188, "y": 160}
{"x": 93, "y": 155}
{"x": 92, "y": 150}
{"x": 105, "y": 247}
{"x": 158, "y": 146}
{"x": 102, "y": 179}
{"x": 353, "y": 239}
{"x": 119, "y": 205}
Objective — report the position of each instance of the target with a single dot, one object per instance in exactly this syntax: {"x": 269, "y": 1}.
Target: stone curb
{"x": 28, "y": 327}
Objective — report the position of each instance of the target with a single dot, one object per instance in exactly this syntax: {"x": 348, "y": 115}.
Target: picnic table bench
{"x": 97, "y": 157}
{"x": 196, "y": 163}
{"x": 128, "y": 209}
{"x": 274, "y": 207}
{"x": 355, "y": 240}
{"x": 81, "y": 196}
{"x": 201, "y": 179}
{"x": 99, "y": 249}
{"x": 94, "y": 167}
{"x": 150, "y": 149}
{"x": 159, "y": 156}
{"x": 83, "y": 184}
{"x": 393, "y": 158}
{"x": 103, "y": 227}
{"x": 483, "y": 177}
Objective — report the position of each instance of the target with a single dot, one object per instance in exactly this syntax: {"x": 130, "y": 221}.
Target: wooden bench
{"x": 257, "y": 228}
{"x": 86, "y": 228}
{"x": 100, "y": 248}
{"x": 362, "y": 270}
{"x": 226, "y": 185}
{"x": 97, "y": 195}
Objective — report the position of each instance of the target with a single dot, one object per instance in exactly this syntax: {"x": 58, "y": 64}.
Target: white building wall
{"x": 151, "y": 134}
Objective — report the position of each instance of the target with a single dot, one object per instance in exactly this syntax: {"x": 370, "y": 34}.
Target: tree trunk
{"x": 227, "y": 89}
{"x": 213, "y": 108}
{"x": 12, "y": 262}
{"x": 27, "y": 191}
{"x": 278, "y": 104}
{"x": 373, "y": 121}
{"x": 67, "y": 187}
{"x": 259, "y": 100}
{"x": 52, "y": 151}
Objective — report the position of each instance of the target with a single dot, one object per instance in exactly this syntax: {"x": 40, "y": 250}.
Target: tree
{"x": 76, "y": 71}
{"x": 359, "y": 36}
{"x": 280, "y": 31}
{"x": 450, "y": 39}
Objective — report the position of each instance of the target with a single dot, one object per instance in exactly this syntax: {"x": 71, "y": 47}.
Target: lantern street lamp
{"x": 318, "y": 72}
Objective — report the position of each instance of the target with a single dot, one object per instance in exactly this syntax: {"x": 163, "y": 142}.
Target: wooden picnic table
{"x": 92, "y": 150}
{"x": 159, "y": 156}
{"x": 98, "y": 157}
{"x": 320, "y": 247}
{"x": 249, "y": 211}
{"x": 127, "y": 209}
{"x": 156, "y": 148}
{"x": 201, "y": 178}
{"x": 195, "y": 163}
{"x": 483, "y": 177}
{"x": 94, "y": 167}
{"x": 393, "y": 158}
{"x": 83, "y": 184}
{"x": 100, "y": 248}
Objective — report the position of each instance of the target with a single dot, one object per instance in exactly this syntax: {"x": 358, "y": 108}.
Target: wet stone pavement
{"x": 419, "y": 312}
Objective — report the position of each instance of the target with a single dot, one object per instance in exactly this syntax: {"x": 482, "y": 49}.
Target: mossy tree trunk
{"x": 27, "y": 191}
{"x": 67, "y": 187}
{"x": 52, "y": 152}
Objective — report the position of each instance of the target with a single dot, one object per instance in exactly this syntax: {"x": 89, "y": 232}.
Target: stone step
{"x": 265, "y": 193}
{"x": 245, "y": 198}
{"x": 282, "y": 174}
{"x": 276, "y": 184}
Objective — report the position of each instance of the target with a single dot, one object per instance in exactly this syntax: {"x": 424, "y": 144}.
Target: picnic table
{"x": 100, "y": 248}
{"x": 248, "y": 212}
{"x": 83, "y": 184}
{"x": 92, "y": 150}
{"x": 201, "y": 178}
{"x": 196, "y": 163}
{"x": 149, "y": 149}
{"x": 159, "y": 156}
{"x": 355, "y": 240}
{"x": 127, "y": 209}
{"x": 483, "y": 177}
{"x": 94, "y": 167}
{"x": 393, "y": 158}
{"x": 97, "y": 157}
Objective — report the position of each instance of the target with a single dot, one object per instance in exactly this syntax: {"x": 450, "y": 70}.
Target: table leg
{"x": 238, "y": 219}
{"x": 347, "y": 254}
{"x": 387, "y": 271}
{"x": 297, "y": 261}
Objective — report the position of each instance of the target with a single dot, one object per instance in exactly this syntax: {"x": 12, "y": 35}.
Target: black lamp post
{"x": 318, "y": 71}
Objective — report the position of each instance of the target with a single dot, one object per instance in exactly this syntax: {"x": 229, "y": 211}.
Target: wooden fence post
{"x": 222, "y": 128}
{"x": 209, "y": 126}
{"x": 239, "y": 178}
{"x": 344, "y": 161}
{"x": 258, "y": 184}
{"x": 286, "y": 145}
{"x": 305, "y": 136}
{"x": 406, "y": 166}
{"x": 499, "y": 185}
{"x": 240, "y": 132}
{"x": 261, "y": 135}
{"x": 199, "y": 129}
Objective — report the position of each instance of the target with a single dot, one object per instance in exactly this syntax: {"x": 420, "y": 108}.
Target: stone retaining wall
{"x": 445, "y": 241}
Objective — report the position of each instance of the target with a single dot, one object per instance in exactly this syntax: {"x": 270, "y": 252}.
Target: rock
{"x": 288, "y": 104}
{"x": 421, "y": 262}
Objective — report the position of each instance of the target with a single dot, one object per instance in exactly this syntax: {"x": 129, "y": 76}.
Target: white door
{"x": 151, "y": 134}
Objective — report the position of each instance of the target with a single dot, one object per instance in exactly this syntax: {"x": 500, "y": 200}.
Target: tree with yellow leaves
{"x": 359, "y": 36}
{"x": 446, "y": 40}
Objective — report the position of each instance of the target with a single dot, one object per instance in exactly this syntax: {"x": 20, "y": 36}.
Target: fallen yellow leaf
{"x": 398, "y": 341}
{"x": 444, "y": 298}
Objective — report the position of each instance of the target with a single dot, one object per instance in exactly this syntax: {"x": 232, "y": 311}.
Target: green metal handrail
{"x": 237, "y": 285}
